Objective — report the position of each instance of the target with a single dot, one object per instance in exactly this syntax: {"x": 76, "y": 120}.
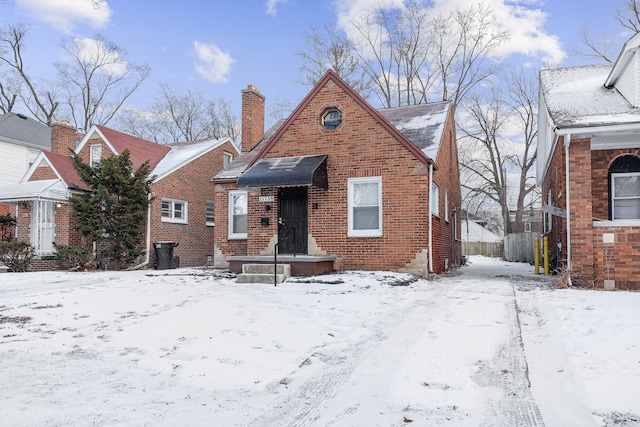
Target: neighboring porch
{"x": 301, "y": 265}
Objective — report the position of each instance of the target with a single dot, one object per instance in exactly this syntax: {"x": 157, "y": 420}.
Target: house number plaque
{"x": 266, "y": 199}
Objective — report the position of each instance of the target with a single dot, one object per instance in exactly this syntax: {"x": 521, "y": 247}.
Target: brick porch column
{"x": 581, "y": 211}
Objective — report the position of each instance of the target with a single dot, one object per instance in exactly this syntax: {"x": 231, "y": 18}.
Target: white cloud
{"x": 93, "y": 51}
{"x": 213, "y": 64}
{"x": 66, "y": 14}
{"x": 272, "y": 6}
{"x": 523, "y": 19}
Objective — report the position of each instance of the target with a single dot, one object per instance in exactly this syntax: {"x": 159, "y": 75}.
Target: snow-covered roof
{"x": 421, "y": 124}
{"x": 576, "y": 97}
{"x": 183, "y": 153}
{"x": 474, "y": 232}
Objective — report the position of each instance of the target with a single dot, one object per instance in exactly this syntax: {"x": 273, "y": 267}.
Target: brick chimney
{"x": 252, "y": 117}
{"x": 64, "y": 137}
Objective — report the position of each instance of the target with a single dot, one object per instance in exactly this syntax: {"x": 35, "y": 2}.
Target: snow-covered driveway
{"x": 490, "y": 345}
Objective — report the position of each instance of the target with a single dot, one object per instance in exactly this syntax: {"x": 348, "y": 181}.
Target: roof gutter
{"x": 567, "y": 144}
{"x": 148, "y": 238}
{"x": 626, "y": 127}
{"x": 430, "y": 266}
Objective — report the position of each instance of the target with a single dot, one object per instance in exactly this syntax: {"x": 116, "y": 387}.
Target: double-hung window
{"x": 237, "y": 214}
{"x": 174, "y": 211}
{"x": 625, "y": 195}
{"x": 365, "y": 207}
{"x": 95, "y": 155}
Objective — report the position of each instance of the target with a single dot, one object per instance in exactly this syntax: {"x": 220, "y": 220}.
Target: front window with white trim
{"x": 237, "y": 214}
{"x": 625, "y": 195}
{"x": 174, "y": 211}
{"x": 365, "y": 207}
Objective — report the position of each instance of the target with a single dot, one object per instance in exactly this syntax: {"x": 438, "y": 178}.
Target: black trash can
{"x": 164, "y": 255}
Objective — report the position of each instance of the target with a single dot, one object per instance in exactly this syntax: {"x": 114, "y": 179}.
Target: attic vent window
{"x": 331, "y": 119}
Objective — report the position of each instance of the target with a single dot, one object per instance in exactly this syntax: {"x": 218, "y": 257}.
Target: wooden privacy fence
{"x": 518, "y": 247}
{"x": 492, "y": 249}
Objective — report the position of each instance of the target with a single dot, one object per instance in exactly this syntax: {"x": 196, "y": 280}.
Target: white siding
{"x": 627, "y": 84}
{"x": 14, "y": 162}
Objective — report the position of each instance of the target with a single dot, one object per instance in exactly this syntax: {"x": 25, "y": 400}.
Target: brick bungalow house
{"x": 589, "y": 169}
{"x": 181, "y": 211}
{"x": 341, "y": 185}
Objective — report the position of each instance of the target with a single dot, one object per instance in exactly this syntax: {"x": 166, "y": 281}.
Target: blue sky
{"x": 220, "y": 47}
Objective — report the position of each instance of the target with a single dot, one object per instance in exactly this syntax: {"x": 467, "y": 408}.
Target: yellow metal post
{"x": 545, "y": 249}
{"x": 536, "y": 254}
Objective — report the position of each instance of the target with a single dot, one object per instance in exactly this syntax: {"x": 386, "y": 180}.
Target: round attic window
{"x": 331, "y": 119}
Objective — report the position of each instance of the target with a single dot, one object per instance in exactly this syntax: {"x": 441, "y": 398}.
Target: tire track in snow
{"x": 308, "y": 402}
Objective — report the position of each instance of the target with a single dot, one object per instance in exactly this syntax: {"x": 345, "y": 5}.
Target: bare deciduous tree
{"x": 464, "y": 41}
{"x": 499, "y": 130}
{"x": 394, "y": 50}
{"x": 629, "y": 15}
{"x": 174, "y": 117}
{"x": 328, "y": 48}
{"x": 98, "y": 80}
{"x": 40, "y": 99}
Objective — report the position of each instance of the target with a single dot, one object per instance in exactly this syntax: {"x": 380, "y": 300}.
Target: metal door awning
{"x": 287, "y": 172}
{"x": 51, "y": 189}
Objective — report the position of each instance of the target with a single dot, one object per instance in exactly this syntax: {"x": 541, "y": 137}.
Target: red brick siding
{"x": 359, "y": 147}
{"x": 593, "y": 261}
{"x": 191, "y": 183}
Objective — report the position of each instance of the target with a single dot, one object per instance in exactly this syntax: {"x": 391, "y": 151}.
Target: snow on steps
{"x": 263, "y": 273}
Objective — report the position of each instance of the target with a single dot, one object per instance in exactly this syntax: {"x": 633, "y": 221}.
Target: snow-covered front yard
{"x": 489, "y": 345}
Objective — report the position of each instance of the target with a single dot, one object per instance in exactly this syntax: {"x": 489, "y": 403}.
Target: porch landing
{"x": 301, "y": 265}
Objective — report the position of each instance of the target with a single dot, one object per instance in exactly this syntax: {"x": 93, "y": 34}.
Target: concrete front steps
{"x": 263, "y": 273}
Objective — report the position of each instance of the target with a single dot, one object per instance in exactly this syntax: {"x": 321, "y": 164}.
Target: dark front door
{"x": 292, "y": 220}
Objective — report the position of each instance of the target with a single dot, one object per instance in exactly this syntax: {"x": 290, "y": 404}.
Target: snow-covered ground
{"x": 488, "y": 345}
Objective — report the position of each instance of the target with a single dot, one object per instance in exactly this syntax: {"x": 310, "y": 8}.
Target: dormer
{"x": 624, "y": 74}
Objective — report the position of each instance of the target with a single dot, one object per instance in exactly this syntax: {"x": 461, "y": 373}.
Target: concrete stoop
{"x": 263, "y": 273}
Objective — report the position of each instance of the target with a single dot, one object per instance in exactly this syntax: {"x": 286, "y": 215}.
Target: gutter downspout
{"x": 567, "y": 143}
{"x": 148, "y": 239}
{"x": 430, "y": 266}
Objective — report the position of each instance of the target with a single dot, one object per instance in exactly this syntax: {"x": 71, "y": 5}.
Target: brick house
{"x": 589, "y": 169}
{"x": 181, "y": 209}
{"x": 341, "y": 185}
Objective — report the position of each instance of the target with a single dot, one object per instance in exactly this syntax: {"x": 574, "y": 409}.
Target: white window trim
{"x": 446, "y": 205}
{"x": 434, "y": 202}
{"x": 364, "y": 233}
{"x": 226, "y": 158}
{"x": 209, "y": 223}
{"x": 613, "y": 194}
{"x": 232, "y": 235}
{"x": 92, "y": 160}
{"x": 172, "y": 219}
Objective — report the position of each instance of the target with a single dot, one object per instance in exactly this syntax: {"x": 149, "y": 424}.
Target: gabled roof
{"x": 62, "y": 167}
{"x": 22, "y": 130}
{"x": 626, "y": 55}
{"x": 182, "y": 153}
{"x": 420, "y": 128}
{"x": 141, "y": 150}
{"x": 576, "y": 97}
{"x": 331, "y": 75}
